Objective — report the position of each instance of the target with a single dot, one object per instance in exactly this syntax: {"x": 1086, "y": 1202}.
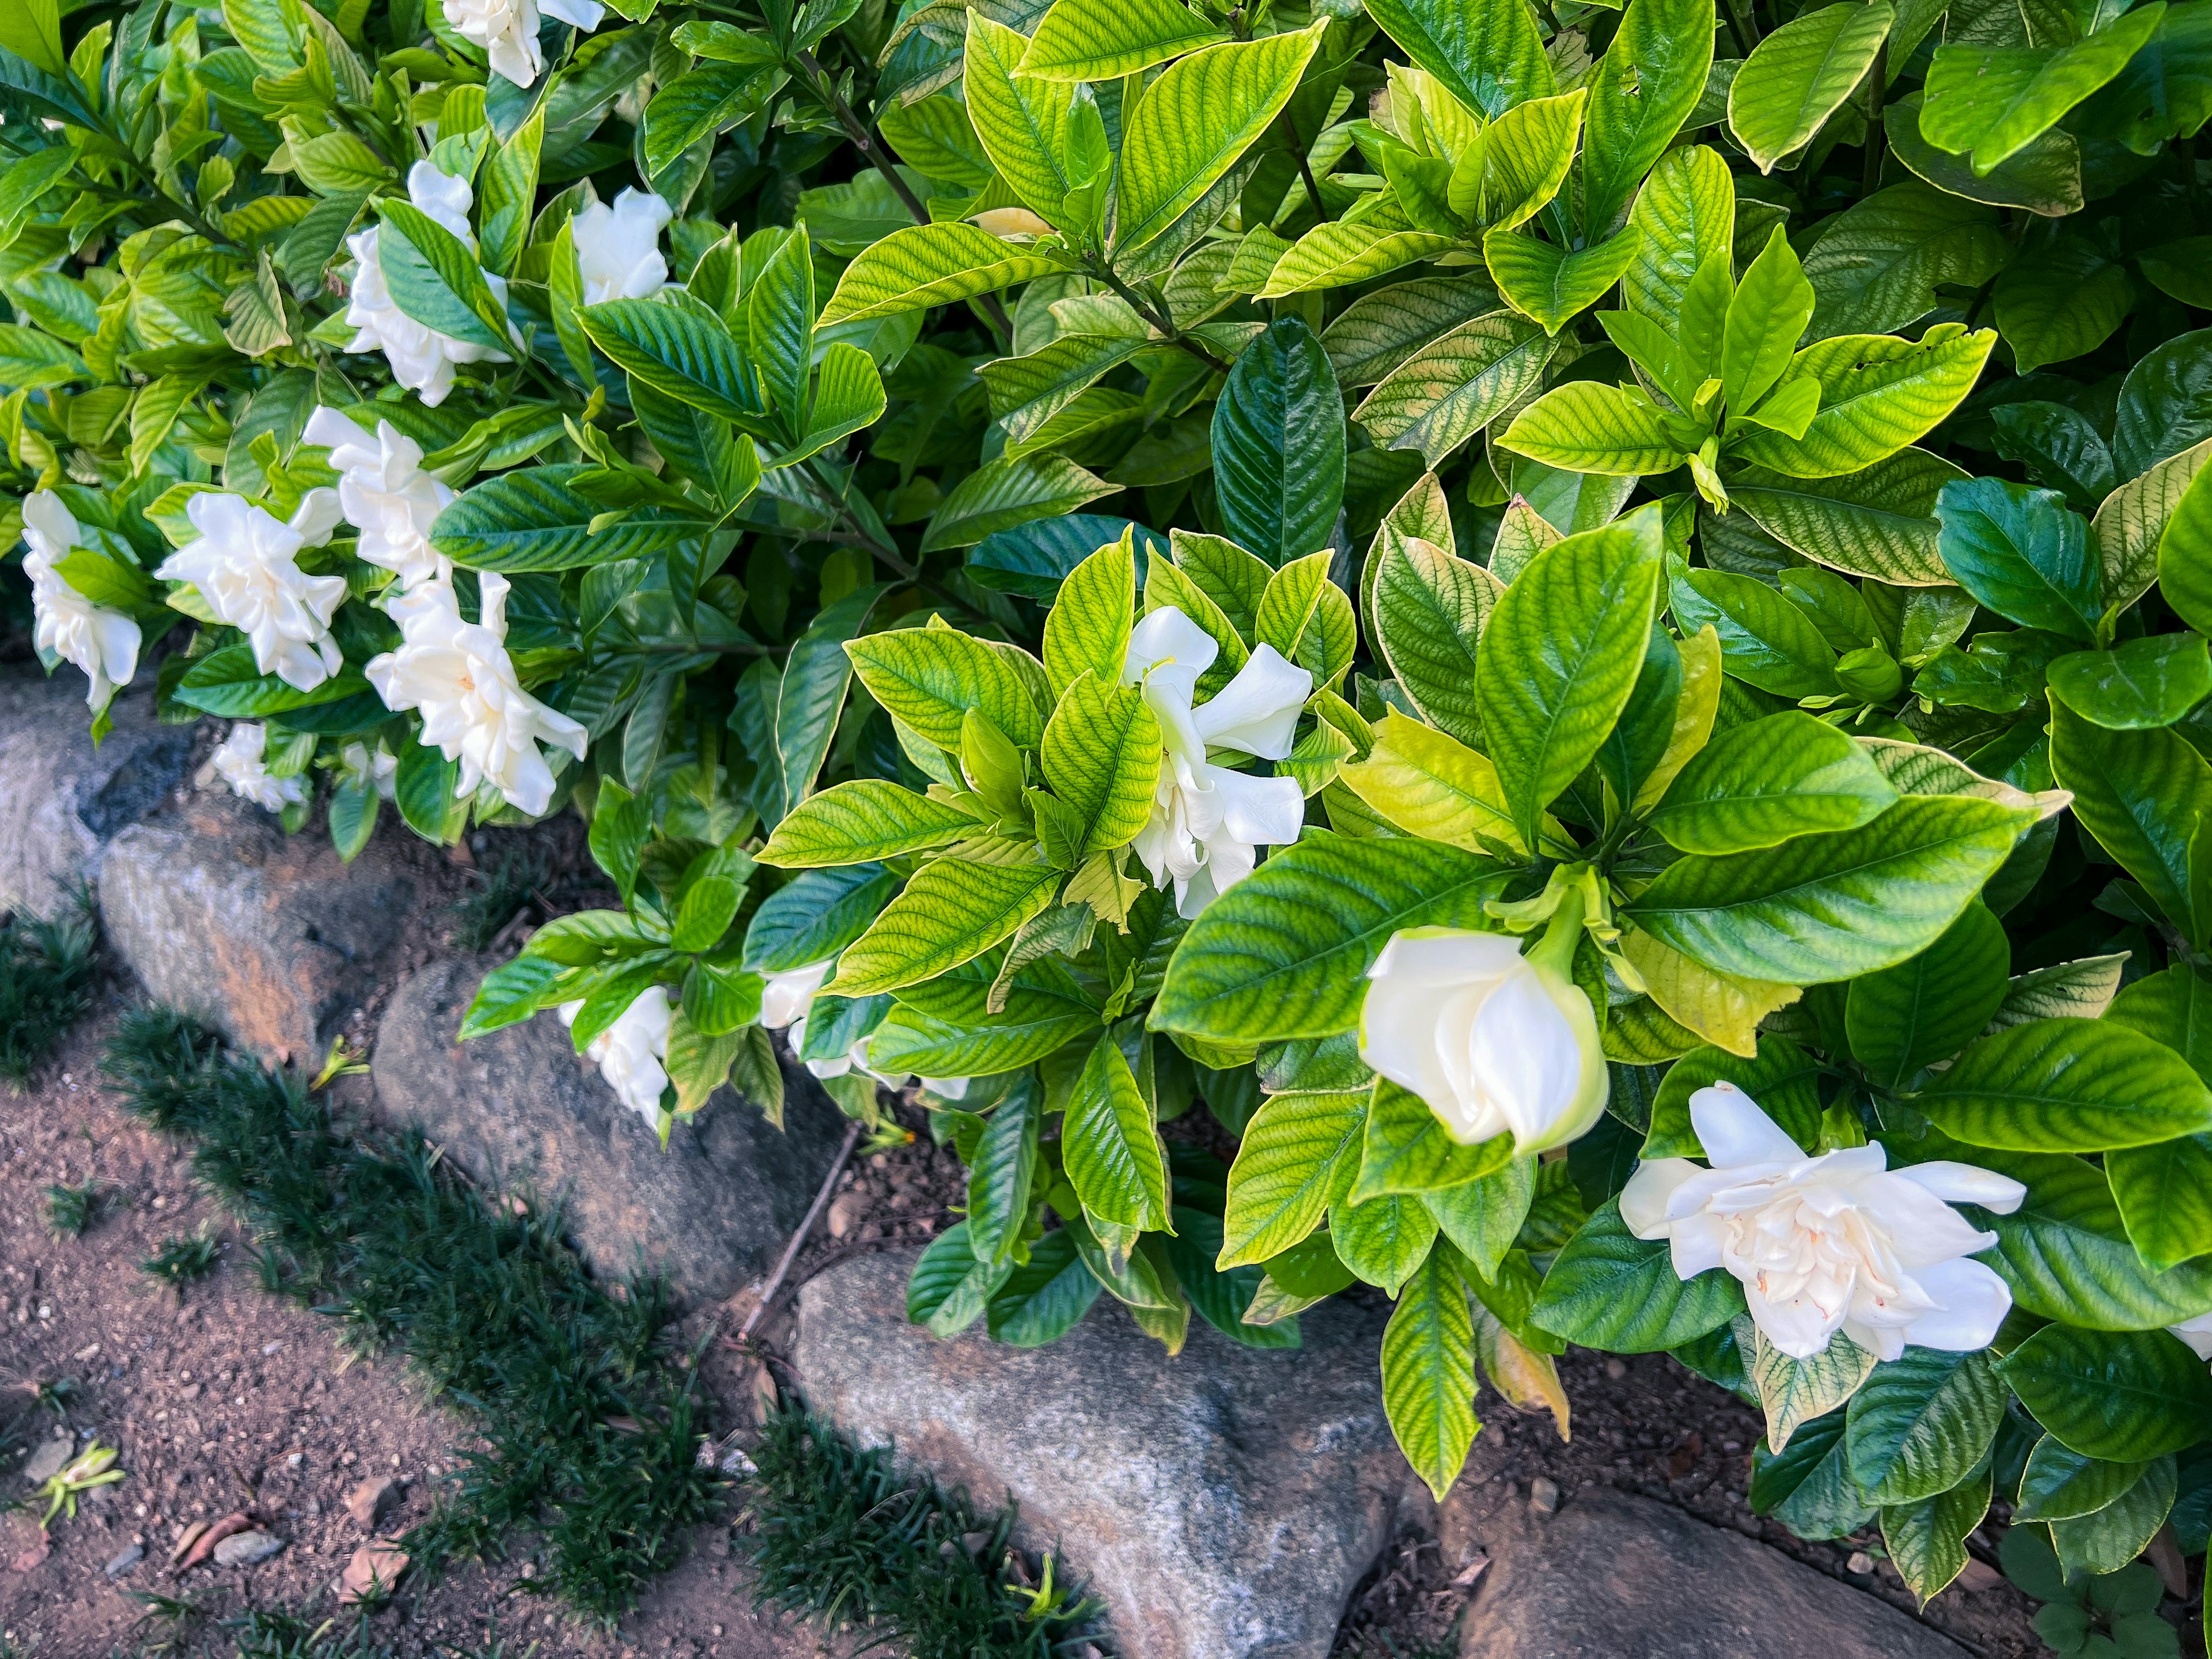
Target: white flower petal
{"x": 787, "y": 996}
{"x": 1734, "y": 1131}
{"x": 1963, "y": 1183}
{"x": 1524, "y": 1057}
{"x": 1166, "y": 635}
{"x": 1972, "y": 1302}
{"x": 1258, "y": 811}
{"x": 1258, "y": 711}
{"x": 1643, "y": 1200}
{"x": 2197, "y": 1333}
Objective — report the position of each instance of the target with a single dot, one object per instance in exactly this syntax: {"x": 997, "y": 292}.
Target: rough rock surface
{"x": 62, "y": 801}
{"x": 710, "y": 1214}
{"x": 1625, "y": 1577}
{"x": 1224, "y": 1502}
{"x": 269, "y": 936}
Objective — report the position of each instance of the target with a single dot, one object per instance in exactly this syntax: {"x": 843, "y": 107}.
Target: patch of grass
{"x": 500, "y": 891}
{"x": 840, "y": 1533}
{"x": 46, "y": 970}
{"x": 494, "y": 1310}
{"x": 70, "y": 1210}
{"x": 180, "y": 1259}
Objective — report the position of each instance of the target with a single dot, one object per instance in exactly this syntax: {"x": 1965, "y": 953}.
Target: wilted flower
{"x": 421, "y": 359}
{"x": 508, "y": 30}
{"x": 386, "y": 494}
{"x": 1839, "y": 1242}
{"x": 245, "y": 565}
{"x": 474, "y": 708}
{"x": 240, "y": 763}
{"x": 104, "y": 643}
{"x": 1493, "y": 1041}
{"x": 631, "y": 1052}
{"x": 618, "y": 248}
{"x": 1207, "y": 820}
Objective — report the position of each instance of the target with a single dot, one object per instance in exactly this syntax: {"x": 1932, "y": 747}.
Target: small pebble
{"x": 1616, "y": 1369}
{"x": 1861, "y": 1562}
{"x": 246, "y": 1549}
{"x": 128, "y": 1559}
{"x": 1544, "y": 1496}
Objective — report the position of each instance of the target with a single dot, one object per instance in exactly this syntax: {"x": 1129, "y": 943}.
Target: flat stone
{"x": 129, "y": 1557}
{"x": 367, "y": 1503}
{"x": 246, "y": 1549}
{"x": 269, "y": 936}
{"x": 50, "y": 1460}
{"x": 1222, "y": 1503}
{"x": 1621, "y": 1576}
{"x": 376, "y": 1566}
{"x": 62, "y": 801}
{"x": 517, "y": 1106}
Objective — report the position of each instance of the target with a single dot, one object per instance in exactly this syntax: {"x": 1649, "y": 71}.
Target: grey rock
{"x": 50, "y": 1460}
{"x": 246, "y": 1549}
{"x": 1223, "y": 1503}
{"x": 1620, "y": 1577}
{"x": 269, "y": 936}
{"x": 517, "y": 1106}
{"x": 62, "y": 801}
{"x": 127, "y": 1558}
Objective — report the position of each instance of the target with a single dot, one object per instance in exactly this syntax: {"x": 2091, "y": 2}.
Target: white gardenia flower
{"x": 383, "y": 766}
{"x": 386, "y": 494}
{"x": 787, "y": 996}
{"x": 239, "y": 762}
{"x": 474, "y": 709}
{"x": 618, "y": 248}
{"x": 1839, "y": 1242}
{"x": 103, "y": 643}
{"x": 1207, "y": 820}
{"x": 508, "y": 30}
{"x": 245, "y": 566}
{"x": 421, "y": 359}
{"x": 632, "y": 1053}
{"x": 1496, "y": 1042}
{"x": 2197, "y": 1333}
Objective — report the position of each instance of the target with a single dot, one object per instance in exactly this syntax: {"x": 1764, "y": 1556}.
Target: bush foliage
{"x": 947, "y": 491}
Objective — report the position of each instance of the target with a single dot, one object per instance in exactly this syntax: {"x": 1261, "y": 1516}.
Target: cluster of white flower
{"x": 241, "y": 763}
{"x": 103, "y": 643}
{"x": 508, "y": 30}
{"x": 386, "y": 494}
{"x": 245, "y": 565}
{"x": 459, "y": 675}
{"x": 618, "y": 248}
{"x": 421, "y": 359}
{"x": 632, "y": 1054}
{"x": 1207, "y": 821}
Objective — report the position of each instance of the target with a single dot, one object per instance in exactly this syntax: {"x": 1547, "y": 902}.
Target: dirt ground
{"x": 230, "y": 1399}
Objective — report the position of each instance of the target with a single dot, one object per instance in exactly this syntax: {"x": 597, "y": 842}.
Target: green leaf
{"x": 1045, "y": 1298}
{"x": 1002, "y": 493}
{"x": 2061, "y": 301}
{"x": 1488, "y": 53}
{"x": 948, "y": 1027}
{"x": 434, "y": 278}
{"x": 1809, "y": 1487}
{"x": 1206, "y": 111}
{"x": 1430, "y": 784}
{"x": 949, "y": 1288}
{"x": 700, "y": 104}
{"x": 2078, "y": 1085}
{"x": 2138, "y": 684}
{"x": 1100, "y": 40}
{"x": 866, "y": 818}
{"x": 1544, "y": 283}
{"x": 1384, "y": 1241}
{"x": 2060, "y": 1484}
{"x": 1483, "y": 1217}
{"x": 2184, "y": 552}
{"x": 1111, "y": 1145}
{"x": 1561, "y": 652}
{"x": 2109, "y": 1540}
{"x": 1877, "y": 394}
{"x": 1428, "y": 1374}
{"x": 1102, "y": 758}
{"x": 1279, "y": 440}
{"x": 1834, "y": 906}
{"x": 1456, "y": 384}
{"x": 1650, "y": 78}
{"x": 1765, "y": 641}
{"x": 2164, "y": 91}
{"x": 1800, "y": 75}
{"x": 2143, "y": 794}
{"x": 1687, "y": 214}
{"x": 1293, "y": 1156}
{"x": 1759, "y": 785}
{"x": 952, "y": 912}
{"x": 1025, "y": 124}
{"x": 1993, "y": 102}
{"x": 1408, "y": 1150}
{"x": 1926, "y": 1539}
{"x": 1879, "y": 523}
{"x": 925, "y": 266}
{"x": 509, "y": 196}
{"x": 1586, "y": 426}
{"x": 814, "y": 915}
{"x": 679, "y": 353}
{"x": 1609, "y": 1289}
{"x": 1527, "y": 153}
{"x": 1793, "y": 1392}
{"x": 530, "y": 520}
{"x": 2126, "y": 1397}
{"x": 1379, "y": 331}
{"x": 2046, "y": 178}
{"x": 1337, "y": 255}
{"x": 1283, "y": 953}
{"x": 2165, "y": 1191}
{"x": 227, "y": 682}
{"x": 1772, "y": 304}
{"x": 999, "y": 1176}
{"x": 2165, "y": 403}
{"x": 1924, "y": 1009}
{"x": 1879, "y": 263}
{"x": 930, "y": 678}
{"x": 1922, "y": 1423}
{"x": 1430, "y": 610}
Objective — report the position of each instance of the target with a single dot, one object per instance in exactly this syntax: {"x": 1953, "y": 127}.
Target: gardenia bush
{"x": 1586, "y": 627}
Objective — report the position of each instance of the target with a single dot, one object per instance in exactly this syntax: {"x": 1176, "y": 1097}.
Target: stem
{"x": 1747, "y": 25}
{"x": 1305, "y": 168}
{"x": 1876, "y": 138}
{"x": 863, "y": 135}
{"x": 175, "y": 209}
{"x": 1137, "y": 303}
{"x": 791, "y": 1250}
